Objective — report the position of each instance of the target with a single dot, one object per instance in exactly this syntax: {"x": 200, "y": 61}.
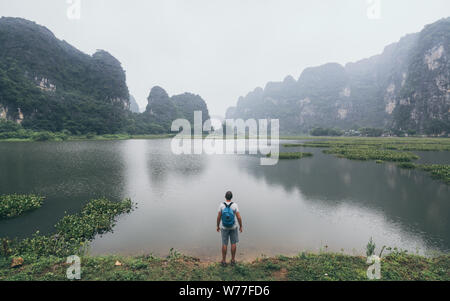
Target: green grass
{"x": 294, "y": 155}
{"x": 305, "y": 266}
{"x": 16, "y": 204}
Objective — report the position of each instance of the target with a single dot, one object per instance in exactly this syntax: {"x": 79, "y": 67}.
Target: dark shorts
{"x": 231, "y": 235}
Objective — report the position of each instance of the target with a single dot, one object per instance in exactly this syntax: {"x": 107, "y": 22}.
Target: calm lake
{"x": 313, "y": 204}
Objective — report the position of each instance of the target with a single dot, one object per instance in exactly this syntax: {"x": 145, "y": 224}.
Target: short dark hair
{"x": 228, "y": 195}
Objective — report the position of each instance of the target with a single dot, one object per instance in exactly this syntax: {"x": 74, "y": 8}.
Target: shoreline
{"x": 118, "y": 137}
{"x": 178, "y": 267}
{"x": 112, "y": 137}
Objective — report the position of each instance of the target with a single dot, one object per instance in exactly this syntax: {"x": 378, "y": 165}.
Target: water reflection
{"x": 295, "y": 205}
{"x": 409, "y": 198}
{"x": 67, "y": 174}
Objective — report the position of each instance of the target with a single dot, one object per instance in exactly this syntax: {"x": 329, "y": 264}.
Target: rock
{"x": 134, "y": 107}
{"x": 118, "y": 263}
{"x": 17, "y": 262}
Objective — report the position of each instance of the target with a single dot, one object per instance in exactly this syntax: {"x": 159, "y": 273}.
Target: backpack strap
{"x": 228, "y": 206}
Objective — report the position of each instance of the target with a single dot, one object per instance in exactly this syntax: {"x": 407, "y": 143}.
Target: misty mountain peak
{"x": 289, "y": 80}
{"x": 156, "y": 94}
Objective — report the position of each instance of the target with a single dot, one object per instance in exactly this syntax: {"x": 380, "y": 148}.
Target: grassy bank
{"x": 48, "y": 136}
{"x": 305, "y": 266}
{"x": 15, "y": 204}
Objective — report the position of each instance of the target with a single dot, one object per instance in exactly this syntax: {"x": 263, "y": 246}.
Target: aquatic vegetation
{"x": 385, "y": 149}
{"x": 309, "y": 144}
{"x": 296, "y": 155}
{"x": 293, "y": 145}
{"x": 401, "y": 144}
{"x": 73, "y": 232}
{"x": 438, "y": 171}
{"x": 418, "y": 147}
{"x": 406, "y": 165}
{"x": 371, "y": 153}
{"x": 96, "y": 217}
{"x": 16, "y": 204}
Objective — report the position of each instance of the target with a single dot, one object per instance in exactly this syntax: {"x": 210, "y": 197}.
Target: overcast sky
{"x": 222, "y": 49}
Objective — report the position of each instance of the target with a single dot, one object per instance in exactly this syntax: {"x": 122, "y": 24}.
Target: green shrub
{"x": 9, "y": 126}
{"x": 90, "y": 135}
{"x": 326, "y": 132}
{"x": 43, "y": 136}
{"x": 371, "y": 132}
{"x": 370, "y": 248}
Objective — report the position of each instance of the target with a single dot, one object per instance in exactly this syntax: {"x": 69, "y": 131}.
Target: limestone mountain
{"x": 134, "y": 106}
{"x": 162, "y": 109}
{"x": 406, "y": 88}
{"x": 47, "y": 84}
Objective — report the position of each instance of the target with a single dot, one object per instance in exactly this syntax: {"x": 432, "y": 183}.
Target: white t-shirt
{"x": 235, "y": 209}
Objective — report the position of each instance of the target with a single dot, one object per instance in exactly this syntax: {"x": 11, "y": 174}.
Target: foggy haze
{"x": 223, "y": 49}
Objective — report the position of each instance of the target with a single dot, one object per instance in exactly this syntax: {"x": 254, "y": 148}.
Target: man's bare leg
{"x": 224, "y": 253}
{"x": 233, "y": 252}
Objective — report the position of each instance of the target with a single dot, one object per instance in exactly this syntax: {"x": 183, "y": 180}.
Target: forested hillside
{"x": 406, "y": 89}
{"x": 48, "y": 85}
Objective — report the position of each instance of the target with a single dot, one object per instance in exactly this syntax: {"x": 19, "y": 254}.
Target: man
{"x": 228, "y": 210}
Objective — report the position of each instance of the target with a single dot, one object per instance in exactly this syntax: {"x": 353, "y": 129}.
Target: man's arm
{"x": 238, "y": 215}
{"x": 219, "y": 216}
